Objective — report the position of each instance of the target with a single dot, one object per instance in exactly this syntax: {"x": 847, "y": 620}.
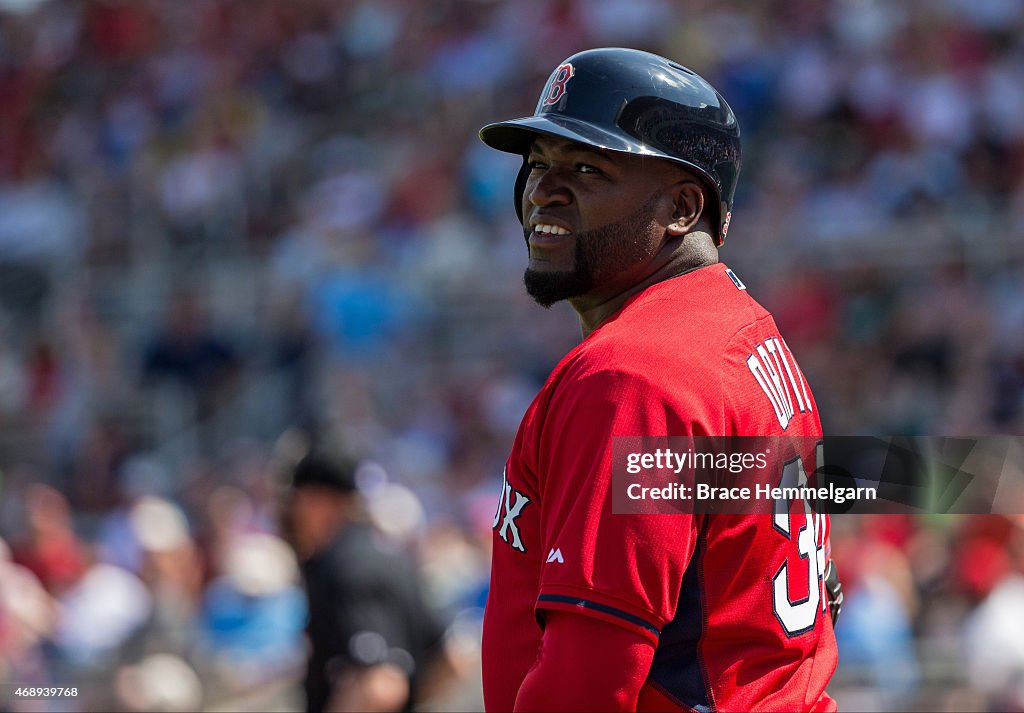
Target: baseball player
{"x": 630, "y": 162}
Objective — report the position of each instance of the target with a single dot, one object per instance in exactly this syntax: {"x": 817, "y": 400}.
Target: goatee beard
{"x": 598, "y": 254}
{"x": 547, "y": 288}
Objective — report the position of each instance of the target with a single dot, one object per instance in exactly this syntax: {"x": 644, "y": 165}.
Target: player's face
{"x": 593, "y": 220}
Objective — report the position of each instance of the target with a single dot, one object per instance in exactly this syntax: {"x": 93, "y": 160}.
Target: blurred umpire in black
{"x": 371, "y": 635}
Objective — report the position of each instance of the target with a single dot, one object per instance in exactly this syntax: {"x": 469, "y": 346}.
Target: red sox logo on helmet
{"x": 556, "y": 88}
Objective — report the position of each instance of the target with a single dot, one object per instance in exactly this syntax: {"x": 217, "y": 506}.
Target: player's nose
{"x": 547, "y": 187}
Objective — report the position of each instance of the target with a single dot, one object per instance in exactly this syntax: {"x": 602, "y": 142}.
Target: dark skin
{"x": 659, "y": 205}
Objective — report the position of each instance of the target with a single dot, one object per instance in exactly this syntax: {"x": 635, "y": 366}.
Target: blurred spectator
{"x": 160, "y": 682}
{"x": 187, "y": 352}
{"x": 372, "y": 637}
{"x": 99, "y": 614}
{"x": 50, "y": 549}
{"x": 171, "y": 569}
{"x": 120, "y": 531}
{"x": 875, "y": 634}
{"x": 27, "y": 615}
{"x": 254, "y": 611}
{"x": 989, "y": 562}
{"x": 993, "y": 636}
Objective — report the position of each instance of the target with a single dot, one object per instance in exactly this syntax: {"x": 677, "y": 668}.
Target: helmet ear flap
{"x": 524, "y": 172}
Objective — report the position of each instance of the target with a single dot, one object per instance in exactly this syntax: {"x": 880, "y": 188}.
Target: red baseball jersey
{"x": 735, "y": 604}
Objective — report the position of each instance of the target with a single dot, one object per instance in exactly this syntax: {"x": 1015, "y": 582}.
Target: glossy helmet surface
{"x": 634, "y": 102}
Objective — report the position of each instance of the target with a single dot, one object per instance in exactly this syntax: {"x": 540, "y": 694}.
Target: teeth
{"x": 553, "y": 229}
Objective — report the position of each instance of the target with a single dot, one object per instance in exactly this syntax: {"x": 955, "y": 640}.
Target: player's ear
{"x": 688, "y": 196}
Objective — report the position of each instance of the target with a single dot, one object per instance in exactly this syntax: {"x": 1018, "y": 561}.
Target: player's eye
{"x": 535, "y": 165}
{"x": 587, "y": 168}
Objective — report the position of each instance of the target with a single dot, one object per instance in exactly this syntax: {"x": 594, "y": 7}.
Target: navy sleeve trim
{"x": 587, "y": 604}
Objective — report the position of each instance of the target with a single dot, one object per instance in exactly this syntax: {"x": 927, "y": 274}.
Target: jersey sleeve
{"x": 624, "y": 569}
{"x": 586, "y": 665}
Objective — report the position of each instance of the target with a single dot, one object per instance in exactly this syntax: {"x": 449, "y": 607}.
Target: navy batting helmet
{"x": 633, "y": 102}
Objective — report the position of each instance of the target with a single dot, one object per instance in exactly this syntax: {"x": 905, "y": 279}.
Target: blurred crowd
{"x": 221, "y": 220}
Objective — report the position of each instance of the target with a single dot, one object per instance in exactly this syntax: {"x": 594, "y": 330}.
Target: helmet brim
{"x": 517, "y": 135}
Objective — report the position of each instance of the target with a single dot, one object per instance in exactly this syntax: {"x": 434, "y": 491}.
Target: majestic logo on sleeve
{"x": 775, "y": 369}
{"x": 510, "y": 507}
{"x": 556, "y": 85}
{"x": 735, "y": 280}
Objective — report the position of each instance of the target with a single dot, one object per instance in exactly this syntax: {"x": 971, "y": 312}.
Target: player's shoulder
{"x": 681, "y": 336}
{"x": 684, "y": 322}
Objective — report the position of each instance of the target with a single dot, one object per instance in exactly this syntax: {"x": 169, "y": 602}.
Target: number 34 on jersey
{"x": 798, "y": 586}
